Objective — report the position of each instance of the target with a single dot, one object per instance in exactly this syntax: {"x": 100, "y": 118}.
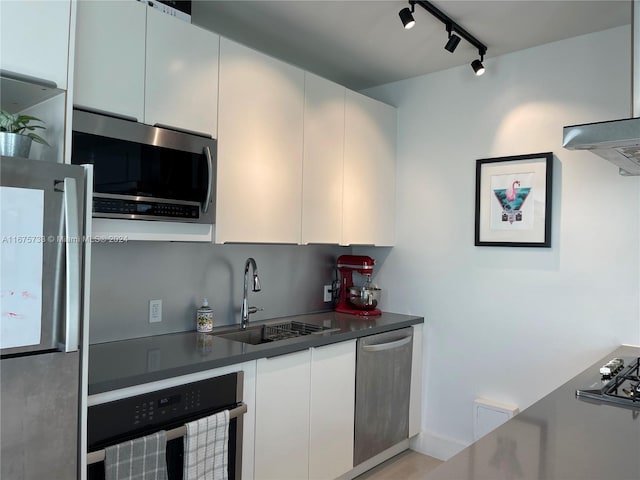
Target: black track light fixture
{"x": 406, "y": 15}
{"x": 453, "y": 41}
{"x": 478, "y": 67}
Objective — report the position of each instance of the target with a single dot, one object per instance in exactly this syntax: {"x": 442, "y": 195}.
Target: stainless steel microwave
{"x": 143, "y": 172}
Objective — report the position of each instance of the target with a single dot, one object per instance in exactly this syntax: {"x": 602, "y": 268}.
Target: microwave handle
{"x": 207, "y": 198}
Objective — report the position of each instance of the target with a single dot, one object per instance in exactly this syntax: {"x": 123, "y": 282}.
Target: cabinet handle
{"x": 130, "y": 118}
{"x": 19, "y": 77}
{"x": 207, "y": 198}
{"x": 332, "y": 344}
{"x": 387, "y": 346}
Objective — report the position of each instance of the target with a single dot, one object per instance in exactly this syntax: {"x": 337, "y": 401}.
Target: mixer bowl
{"x": 364, "y": 298}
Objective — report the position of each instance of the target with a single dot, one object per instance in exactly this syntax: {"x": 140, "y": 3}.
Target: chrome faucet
{"x": 246, "y": 309}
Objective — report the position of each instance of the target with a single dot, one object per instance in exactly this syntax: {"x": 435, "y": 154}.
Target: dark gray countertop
{"x": 132, "y": 362}
{"x": 559, "y": 437}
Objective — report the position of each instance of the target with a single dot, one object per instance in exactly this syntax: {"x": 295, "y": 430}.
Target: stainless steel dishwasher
{"x": 383, "y": 381}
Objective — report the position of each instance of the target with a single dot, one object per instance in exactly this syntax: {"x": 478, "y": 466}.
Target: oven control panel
{"x": 167, "y": 406}
{"x": 164, "y": 409}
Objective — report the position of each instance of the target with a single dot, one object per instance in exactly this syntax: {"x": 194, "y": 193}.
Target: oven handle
{"x": 98, "y": 455}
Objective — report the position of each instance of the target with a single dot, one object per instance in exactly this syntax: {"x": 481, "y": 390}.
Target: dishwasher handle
{"x": 378, "y": 347}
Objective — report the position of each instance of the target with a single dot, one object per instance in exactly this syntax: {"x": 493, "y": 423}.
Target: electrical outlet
{"x": 327, "y": 293}
{"x": 155, "y": 311}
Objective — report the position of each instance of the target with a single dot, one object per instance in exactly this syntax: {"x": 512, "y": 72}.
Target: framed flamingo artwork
{"x": 513, "y": 201}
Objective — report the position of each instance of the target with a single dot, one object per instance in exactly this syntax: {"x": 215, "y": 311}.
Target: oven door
{"x": 118, "y": 421}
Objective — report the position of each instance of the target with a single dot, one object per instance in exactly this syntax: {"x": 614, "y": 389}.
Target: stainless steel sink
{"x": 272, "y": 333}
{"x": 252, "y": 335}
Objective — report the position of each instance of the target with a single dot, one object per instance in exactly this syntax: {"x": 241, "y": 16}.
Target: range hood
{"x": 617, "y": 141}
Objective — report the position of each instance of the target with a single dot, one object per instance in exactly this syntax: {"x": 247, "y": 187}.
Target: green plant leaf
{"x": 38, "y": 139}
{"x": 14, "y": 123}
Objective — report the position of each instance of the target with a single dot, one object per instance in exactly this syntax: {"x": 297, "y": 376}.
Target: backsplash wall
{"x": 124, "y": 277}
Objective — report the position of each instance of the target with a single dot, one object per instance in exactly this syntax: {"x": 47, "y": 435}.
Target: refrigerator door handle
{"x": 73, "y": 255}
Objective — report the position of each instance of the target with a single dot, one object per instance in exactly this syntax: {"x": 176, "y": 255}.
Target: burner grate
{"x": 622, "y": 388}
{"x": 626, "y": 385}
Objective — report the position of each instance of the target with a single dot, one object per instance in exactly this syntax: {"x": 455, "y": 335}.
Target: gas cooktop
{"x": 617, "y": 383}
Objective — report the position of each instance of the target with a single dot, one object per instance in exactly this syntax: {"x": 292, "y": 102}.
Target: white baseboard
{"x": 438, "y": 447}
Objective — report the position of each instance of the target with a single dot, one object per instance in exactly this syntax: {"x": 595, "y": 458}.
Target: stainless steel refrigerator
{"x": 43, "y": 248}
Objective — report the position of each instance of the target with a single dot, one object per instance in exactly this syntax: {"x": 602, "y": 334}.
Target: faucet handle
{"x": 254, "y": 310}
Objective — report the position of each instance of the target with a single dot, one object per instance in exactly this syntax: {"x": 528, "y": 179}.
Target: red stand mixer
{"x": 352, "y": 299}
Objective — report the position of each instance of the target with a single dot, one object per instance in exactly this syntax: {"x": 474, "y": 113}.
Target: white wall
{"x": 511, "y": 324}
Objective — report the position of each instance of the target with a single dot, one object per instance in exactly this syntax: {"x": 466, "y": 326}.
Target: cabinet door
{"x": 259, "y": 189}
{"x": 181, "y": 89}
{"x": 323, "y": 160}
{"x": 282, "y": 417}
{"x": 369, "y": 172}
{"x": 110, "y": 57}
{"x": 333, "y": 373}
{"x": 415, "y": 395}
{"x": 35, "y": 39}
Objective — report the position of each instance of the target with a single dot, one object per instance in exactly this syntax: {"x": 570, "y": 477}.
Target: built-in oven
{"x": 169, "y": 409}
{"x": 144, "y": 172}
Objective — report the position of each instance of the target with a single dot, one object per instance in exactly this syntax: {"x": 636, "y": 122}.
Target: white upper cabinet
{"x": 322, "y": 168}
{"x": 136, "y": 62}
{"x": 110, "y": 57}
{"x": 181, "y": 89}
{"x": 260, "y": 121}
{"x": 369, "y": 172}
{"x": 34, "y": 39}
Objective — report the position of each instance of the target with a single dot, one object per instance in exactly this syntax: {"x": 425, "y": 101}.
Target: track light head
{"x": 406, "y": 15}
{"x": 452, "y": 43}
{"x": 477, "y": 66}
{"x": 407, "y": 18}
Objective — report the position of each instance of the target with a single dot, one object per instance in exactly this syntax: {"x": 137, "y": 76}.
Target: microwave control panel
{"x": 124, "y": 208}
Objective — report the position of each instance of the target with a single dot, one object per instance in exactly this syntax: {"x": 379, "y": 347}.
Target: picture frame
{"x": 513, "y": 201}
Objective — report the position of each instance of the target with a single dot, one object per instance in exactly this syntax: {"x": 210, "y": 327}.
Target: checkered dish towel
{"x": 206, "y": 448}
{"x": 140, "y": 459}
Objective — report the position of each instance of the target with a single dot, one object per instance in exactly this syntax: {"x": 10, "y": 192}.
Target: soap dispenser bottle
{"x": 204, "y": 317}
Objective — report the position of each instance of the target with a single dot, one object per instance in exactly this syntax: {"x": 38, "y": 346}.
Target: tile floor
{"x": 408, "y": 465}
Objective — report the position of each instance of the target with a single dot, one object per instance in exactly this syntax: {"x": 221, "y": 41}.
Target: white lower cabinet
{"x": 304, "y": 414}
{"x": 332, "y": 410}
{"x": 282, "y": 417}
